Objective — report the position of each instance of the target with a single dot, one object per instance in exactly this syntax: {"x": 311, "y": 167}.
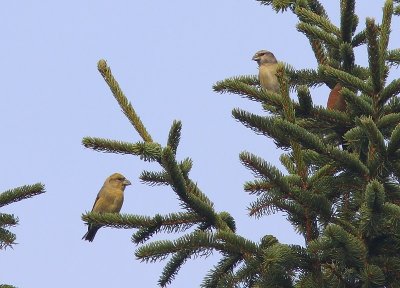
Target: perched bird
{"x": 267, "y": 65}
{"x": 109, "y": 200}
{"x": 336, "y": 100}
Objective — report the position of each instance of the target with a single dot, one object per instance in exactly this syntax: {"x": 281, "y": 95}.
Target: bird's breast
{"x": 268, "y": 78}
{"x": 117, "y": 200}
{"x": 110, "y": 201}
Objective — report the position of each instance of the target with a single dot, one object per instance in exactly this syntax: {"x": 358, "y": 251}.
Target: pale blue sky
{"x": 166, "y": 55}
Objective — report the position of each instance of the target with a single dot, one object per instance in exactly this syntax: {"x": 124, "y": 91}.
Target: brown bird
{"x": 336, "y": 100}
{"x": 267, "y": 65}
{"x": 109, "y": 200}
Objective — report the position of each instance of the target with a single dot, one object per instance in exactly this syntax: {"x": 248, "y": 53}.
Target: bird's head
{"x": 264, "y": 57}
{"x": 118, "y": 180}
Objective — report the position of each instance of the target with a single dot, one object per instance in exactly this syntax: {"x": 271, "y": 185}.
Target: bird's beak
{"x": 127, "y": 182}
{"x": 256, "y": 57}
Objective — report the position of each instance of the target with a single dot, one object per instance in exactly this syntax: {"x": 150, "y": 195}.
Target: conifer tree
{"x": 7, "y": 238}
{"x": 343, "y": 201}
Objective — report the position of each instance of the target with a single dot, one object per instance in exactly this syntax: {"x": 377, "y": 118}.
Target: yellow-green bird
{"x": 267, "y": 65}
{"x": 109, "y": 200}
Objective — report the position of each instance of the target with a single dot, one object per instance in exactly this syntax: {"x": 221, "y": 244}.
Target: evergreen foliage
{"x": 345, "y": 202}
{"x": 7, "y": 238}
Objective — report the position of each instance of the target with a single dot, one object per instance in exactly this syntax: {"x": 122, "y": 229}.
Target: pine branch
{"x": 269, "y": 203}
{"x": 236, "y": 86}
{"x": 385, "y": 33}
{"x": 257, "y": 187}
{"x": 340, "y": 248}
{"x": 235, "y": 244}
{"x": 216, "y": 277}
{"x": 23, "y": 192}
{"x": 331, "y": 117}
{"x": 313, "y": 32}
{"x": 373, "y": 275}
{"x": 308, "y": 77}
{"x": 305, "y": 100}
{"x": 393, "y": 56}
{"x": 359, "y": 105}
{"x": 174, "y": 222}
{"x": 310, "y": 141}
{"x": 288, "y": 107}
{"x": 359, "y": 39}
{"x": 144, "y": 234}
{"x": 154, "y": 178}
{"x": 346, "y": 79}
{"x": 374, "y": 135}
{"x": 186, "y": 165}
{"x": 388, "y": 123}
{"x": 373, "y": 55}
{"x": 361, "y": 72}
{"x": 348, "y": 22}
{"x": 301, "y": 135}
{"x": 288, "y": 163}
{"x": 228, "y": 220}
{"x": 248, "y": 274}
{"x": 348, "y": 161}
{"x": 116, "y": 220}
{"x": 174, "y": 135}
{"x": 375, "y": 196}
{"x": 195, "y": 190}
{"x": 315, "y": 160}
{"x": 317, "y": 8}
{"x": 394, "y": 142}
{"x": 7, "y": 220}
{"x": 171, "y": 223}
{"x": 392, "y": 215}
{"x": 147, "y": 151}
{"x": 262, "y": 125}
{"x": 391, "y": 90}
{"x": 393, "y": 106}
{"x": 278, "y": 6}
{"x": 318, "y": 20}
{"x": 7, "y": 239}
{"x": 123, "y": 102}
{"x": 319, "y": 51}
{"x": 347, "y": 55}
{"x": 263, "y": 169}
{"x": 190, "y": 195}
{"x": 279, "y": 257}
{"x": 173, "y": 266}
{"x": 199, "y": 242}
{"x": 323, "y": 173}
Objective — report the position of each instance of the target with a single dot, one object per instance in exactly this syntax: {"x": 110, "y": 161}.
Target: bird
{"x": 336, "y": 100}
{"x": 108, "y": 200}
{"x": 267, "y": 65}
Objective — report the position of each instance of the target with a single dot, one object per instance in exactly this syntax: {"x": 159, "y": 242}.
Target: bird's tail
{"x": 92, "y": 230}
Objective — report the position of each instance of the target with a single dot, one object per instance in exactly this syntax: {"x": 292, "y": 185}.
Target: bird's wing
{"x": 95, "y": 201}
